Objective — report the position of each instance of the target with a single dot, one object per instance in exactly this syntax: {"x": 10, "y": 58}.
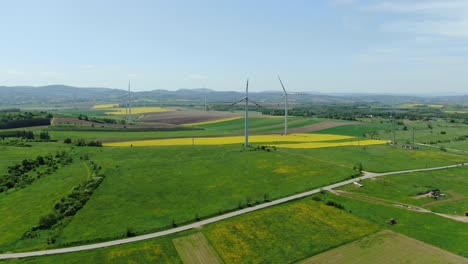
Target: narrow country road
{"x": 367, "y": 175}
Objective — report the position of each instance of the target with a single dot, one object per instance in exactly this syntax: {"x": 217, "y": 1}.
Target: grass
{"x": 157, "y": 185}
{"x": 285, "y": 233}
{"x": 280, "y": 234}
{"x": 20, "y": 210}
{"x": 259, "y": 124}
{"x": 438, "y": 231}
{"x": 405, "y": 187}
{"x": 382, "y": 158}
{"x": 159, "y": 250}
{"x": 195, "y": 249}
{"x": 357, "y": 130}
{"x": 11, "y": 155}
{"x": 61, "y": 135}
{"x": 386, "y": 247}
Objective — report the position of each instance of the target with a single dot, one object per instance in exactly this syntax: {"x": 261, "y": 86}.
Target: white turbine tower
{"x": 129, "y": 117}
{"x": 285, "y": 98}
{"x": 246, "y": 116}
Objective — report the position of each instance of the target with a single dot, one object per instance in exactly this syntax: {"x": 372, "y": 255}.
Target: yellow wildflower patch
{"x": 104, "y": 106}
{"x": 288, "y": 141}
{"x": 214, "y": 121}
{"x": 229, "y": 140}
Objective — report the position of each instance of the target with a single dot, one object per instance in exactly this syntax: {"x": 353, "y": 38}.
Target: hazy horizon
{"x": 329, "y": 46}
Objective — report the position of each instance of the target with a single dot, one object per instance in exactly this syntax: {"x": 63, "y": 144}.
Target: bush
{"x": 317, "y": 198}
{"x": 335, "y": 204}
{"x": 67, "y": 141}
{"x": 48, "y": 220}
{"x": 130, "y": 232}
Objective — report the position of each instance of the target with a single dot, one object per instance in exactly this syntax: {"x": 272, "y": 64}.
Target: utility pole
{"x": 413, "y": 138}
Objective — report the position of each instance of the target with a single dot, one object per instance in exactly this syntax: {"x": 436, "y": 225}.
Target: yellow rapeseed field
{"x": 300, "y": 141}
{"x": 104, "y": 106}
{"x": 214, "y": 121}
{"x": 138, "y": 110}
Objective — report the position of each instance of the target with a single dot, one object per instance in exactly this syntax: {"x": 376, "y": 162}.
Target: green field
{"x": 285, "y": 233}
{"x": 438, "y": 231}
{"x": 281, "y": 234}
{"x": 20, "y": 209}
{"x": 405, "y": 188}
{"x": 151, "y": 187}
{"x": 382, "y": 158}
{"x": 358, "y": 130}
{"x": 261, "y": 124}
{"x": 386, "y": 247}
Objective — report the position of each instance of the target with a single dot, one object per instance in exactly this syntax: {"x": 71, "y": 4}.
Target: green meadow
{"x": 284, "y": 233}
{"x": 149, "y": 188}
{"x": 381, "y": 158}
{"x": 406, "y": 188}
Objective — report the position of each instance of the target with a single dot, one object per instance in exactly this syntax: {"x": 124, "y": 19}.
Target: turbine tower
{"x": 285, "y": 107}
{"x": 129, "y": 117}
{"x": 246, "y": 115}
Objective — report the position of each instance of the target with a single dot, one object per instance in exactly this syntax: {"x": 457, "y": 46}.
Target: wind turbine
{"x": 246, "y": 116}
{"x": 129, "y": 117}
{"x": 285, "y": 98}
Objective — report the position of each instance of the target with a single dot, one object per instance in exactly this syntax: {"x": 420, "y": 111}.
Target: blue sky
{"x": 398, "y": 46}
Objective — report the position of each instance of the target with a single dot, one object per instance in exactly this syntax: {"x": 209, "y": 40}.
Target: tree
{"x": 44, "y": 135}
{"x": 48, "y": 220}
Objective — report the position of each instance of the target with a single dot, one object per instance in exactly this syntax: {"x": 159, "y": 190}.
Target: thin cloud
{"x": 447, "y": 18}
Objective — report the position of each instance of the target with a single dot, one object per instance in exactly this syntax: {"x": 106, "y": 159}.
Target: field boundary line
{"x": 367, "y": 175}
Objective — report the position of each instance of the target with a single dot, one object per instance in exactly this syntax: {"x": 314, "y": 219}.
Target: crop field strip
{"x": 196, "y": 249}
{"x": 301, "y": 140}
{"x": 386, "y": 247}
{"x": 136, "y": 110}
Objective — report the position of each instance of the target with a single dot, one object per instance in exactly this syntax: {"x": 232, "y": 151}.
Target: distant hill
{"x": 53, "y": 94}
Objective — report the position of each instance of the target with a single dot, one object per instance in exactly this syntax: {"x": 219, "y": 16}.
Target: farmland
{"x": 300, "y": 140}
{"x": 441, "y": 232}
{"x": 409, "y": 189}
{"x": 156, "y": 180}
{"x": 136, "y": 110}
{"x": 285, "y": 233}
{"x": 183, "y": 186}
{"x": 386, "y": 247}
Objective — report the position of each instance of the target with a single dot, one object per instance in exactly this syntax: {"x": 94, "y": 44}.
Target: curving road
{"x": 367, "y": 175}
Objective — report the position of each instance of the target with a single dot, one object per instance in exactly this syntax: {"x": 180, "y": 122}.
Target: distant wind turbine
{"x": 129, "y": 111}
{"x": 246, "y": 99}
{"x": 285, "y": 98}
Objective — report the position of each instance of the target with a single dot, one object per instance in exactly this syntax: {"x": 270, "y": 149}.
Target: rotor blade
{"x": 247, "y": 87}
{"x": 238, "y": 101}
{"x": 250, "y": 100}
{"x": 282, "y": 99}
{"x": 282, "y": 86}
